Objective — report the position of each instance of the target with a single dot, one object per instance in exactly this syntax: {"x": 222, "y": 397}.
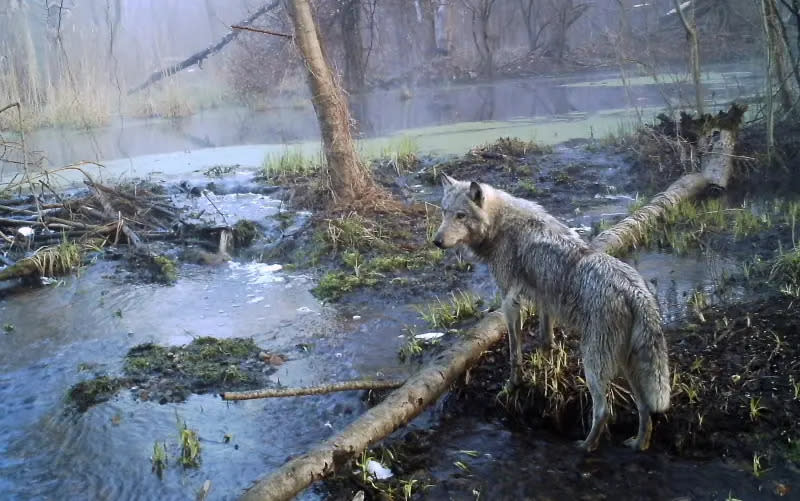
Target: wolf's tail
{"x": 649, "y": 361}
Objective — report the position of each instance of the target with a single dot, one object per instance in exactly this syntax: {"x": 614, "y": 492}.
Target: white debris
{"x": 255, "y": 300}
{"x": 25, "y": 231}
{"x": 304, "y": 309}
{"x": 683, "y": 7}
{"x": 429, "y": 336}
{"x": 378, "y": 471}
{"x": 256, "y": 273}
{"x": 356, "y": 317}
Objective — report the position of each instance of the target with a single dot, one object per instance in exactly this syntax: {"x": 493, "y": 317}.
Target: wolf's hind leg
{"x": 511, "y": 312}
{"x": 642, "y": 439}
{"x": 597, "y": 380}
{"x": 546, "y": 336}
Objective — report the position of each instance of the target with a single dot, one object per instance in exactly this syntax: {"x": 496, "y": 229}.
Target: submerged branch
{"x": 359, "y": 384}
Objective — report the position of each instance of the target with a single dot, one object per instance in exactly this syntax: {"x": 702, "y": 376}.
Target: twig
{"x": 358, "y": 384}
{"x": 109, "y": 211}
{"x": 260, "y": 30}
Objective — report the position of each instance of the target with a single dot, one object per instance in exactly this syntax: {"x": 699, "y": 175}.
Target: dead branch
{"x": 398, "y": 408}
{"x": 261, "y": 30}
{"x": 108, "y": 210}
{"x": 359, "y": 384}
{"x": 199, "y": 57}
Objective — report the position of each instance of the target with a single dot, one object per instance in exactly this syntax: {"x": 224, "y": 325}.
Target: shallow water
{"x": 104, "y": 453}
{"x": 448, "y": 119}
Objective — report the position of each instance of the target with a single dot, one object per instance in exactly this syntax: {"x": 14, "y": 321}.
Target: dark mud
{"x": 171, "y": 373}
{"x": 733, "y": 427}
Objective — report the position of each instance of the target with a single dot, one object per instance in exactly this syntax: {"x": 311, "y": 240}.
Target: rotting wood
{"x": 359, "y": 384}
{"x": 715, "y": 139}
{"x": 424, "y": 388}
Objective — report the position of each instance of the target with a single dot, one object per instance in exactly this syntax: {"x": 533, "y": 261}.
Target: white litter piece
{"x": 356, "y": 317}
{"x": 25, "y": 231}
{"x": 378, "y": 471}
{"x": 48, "y": 280}
{"x": 429, "y": 336}
{"x": 255, "y": 300}
{"x": 304, "y": 309}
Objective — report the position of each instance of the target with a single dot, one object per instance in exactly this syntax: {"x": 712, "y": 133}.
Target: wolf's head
{"x": 465, "y": 219}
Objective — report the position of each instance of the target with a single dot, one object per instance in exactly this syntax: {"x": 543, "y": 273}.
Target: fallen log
{"x": 431, "y": 382}
{"x": 714, "y": 141}
{"x": 359, "y": 384}
{"x": 397, "y": 409}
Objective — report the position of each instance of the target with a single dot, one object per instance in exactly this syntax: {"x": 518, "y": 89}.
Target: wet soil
{"x": 733, "y": 426}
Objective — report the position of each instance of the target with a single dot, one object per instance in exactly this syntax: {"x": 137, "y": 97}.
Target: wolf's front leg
{"x": 511, "y": 311}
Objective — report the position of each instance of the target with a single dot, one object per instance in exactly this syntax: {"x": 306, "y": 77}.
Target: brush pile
{"x": 44, "y": 233}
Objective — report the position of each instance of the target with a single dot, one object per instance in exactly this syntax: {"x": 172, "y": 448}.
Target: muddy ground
{"x": 732, "y": 431}
{"x": 735, "y": 355}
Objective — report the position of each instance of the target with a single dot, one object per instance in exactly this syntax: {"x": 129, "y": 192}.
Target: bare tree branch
{"x": 198, "y": 57}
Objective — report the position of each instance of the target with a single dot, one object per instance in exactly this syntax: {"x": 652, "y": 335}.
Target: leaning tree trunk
{"x": 430, "y": 383}
{"x": 349, "y": 179}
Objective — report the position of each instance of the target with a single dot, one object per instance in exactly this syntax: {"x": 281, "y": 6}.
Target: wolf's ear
{"x": 476, "y": 193}
{"x": 447, "y": 180}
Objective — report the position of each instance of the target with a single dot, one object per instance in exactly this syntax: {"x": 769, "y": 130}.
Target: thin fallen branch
{"x": 400, "y": 407}
{"x": 110, "y": 213}
{"x": 263, "y": 31}
{"x": 199, "y": 57}
{"x": 359, "y": 384}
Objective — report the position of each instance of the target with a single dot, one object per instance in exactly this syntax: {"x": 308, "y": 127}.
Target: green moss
{"x": 88, "y": 393}
{"x": 244, "y": 232}
{"x": 334, "y": 284}
{"x": 163, "y": 270}
{"x": 204, "y": 363}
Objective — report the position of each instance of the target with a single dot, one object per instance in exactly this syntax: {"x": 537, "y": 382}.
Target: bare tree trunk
{"x": 349, "y": 179}
{"x": 775, "y": 38}
{"x": 694, "y": 54}
{"x": 354, "y": 70}
{"x": 481, "y": 11}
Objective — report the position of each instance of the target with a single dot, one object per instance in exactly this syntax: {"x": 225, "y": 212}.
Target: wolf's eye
{"x": 460, "y": 215}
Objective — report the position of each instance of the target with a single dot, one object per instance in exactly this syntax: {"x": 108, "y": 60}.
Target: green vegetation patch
{"x": 94, "y": 391}
{"x": 171, "y": 373}
{"x": 244, "y": 232}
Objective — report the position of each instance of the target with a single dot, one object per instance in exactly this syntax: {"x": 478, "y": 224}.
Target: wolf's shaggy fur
{"x": 533, "y": 255}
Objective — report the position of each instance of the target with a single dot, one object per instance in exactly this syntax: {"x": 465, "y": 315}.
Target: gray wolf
{"x": 533, "y": 256}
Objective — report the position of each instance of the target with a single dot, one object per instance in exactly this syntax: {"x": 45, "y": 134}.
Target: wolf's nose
{"x": 438, "y": 243}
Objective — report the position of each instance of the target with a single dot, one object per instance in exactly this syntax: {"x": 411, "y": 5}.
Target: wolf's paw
{"x": 586, "y": 446}
{"x": 636, "y": 444}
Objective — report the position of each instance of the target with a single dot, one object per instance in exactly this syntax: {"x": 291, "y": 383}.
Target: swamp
{"x": 217, "y": 271}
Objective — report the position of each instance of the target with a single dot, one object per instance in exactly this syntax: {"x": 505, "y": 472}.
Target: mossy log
{"x": 405, "y": 403}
